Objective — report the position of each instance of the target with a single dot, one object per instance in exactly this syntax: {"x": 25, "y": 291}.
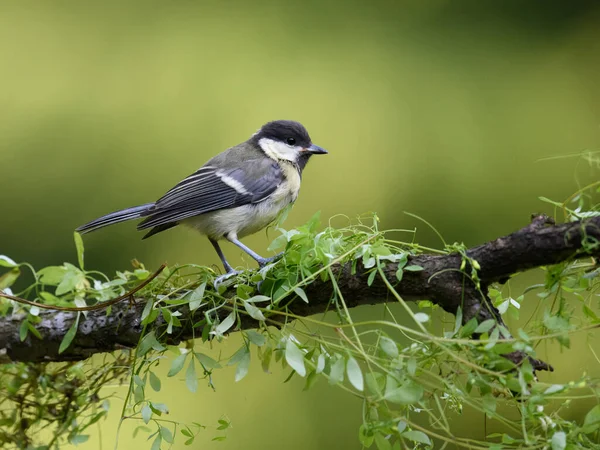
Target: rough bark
{"x": 540, "y": 243}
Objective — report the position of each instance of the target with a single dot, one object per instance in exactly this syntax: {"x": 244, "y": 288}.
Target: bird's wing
{"x": 209, "y": 189}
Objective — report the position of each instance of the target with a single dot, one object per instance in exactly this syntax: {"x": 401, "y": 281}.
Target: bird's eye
{"x": 291, "y": 141}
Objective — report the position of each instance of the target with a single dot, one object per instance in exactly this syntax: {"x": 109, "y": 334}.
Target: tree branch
{"x": 441, "y": 281}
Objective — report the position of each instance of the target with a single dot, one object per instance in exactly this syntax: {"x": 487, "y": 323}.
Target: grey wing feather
{"x": 205, "y": 190}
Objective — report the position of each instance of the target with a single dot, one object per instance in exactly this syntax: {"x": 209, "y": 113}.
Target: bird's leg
{"x": 230, "y": 270}
{"x": 259, "y": 259}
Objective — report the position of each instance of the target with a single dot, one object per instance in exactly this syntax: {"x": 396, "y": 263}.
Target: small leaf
{"x": 336, "y": 374}
{"x": 413, "y": 268}
{"x": 300, "y": 293}
{"x": 388, "y": 346}
{"x": 559, "y": 440}
{"x": 295, "y": 357}
{"x": 149, "y": 342}
{"x": 311, "y": 379}
{"x": 177, "y": 365}
{"x": 554, "y": 388}
{"x": 382, "y": 443}
{"x": 5, "y": 261}
{"x": 406, "y": 394}
{"x": 485, "y": 326}
{"x": 196, "y": 297}
{"x": 226, "y": 324}
{"x": 591, "y": 423}
{"x": 166, "y": 434}
{"x": 399, "y": 273}
{"x": 191, "y": 380}
{"x": 253, "y": 311}
{"x": 207, "y": 361}
{"x": 258, "y": 299}
{"x": 79, "y": 439}
{"x": 156, "y": 443}
{"x": 417, "y": 436}
{"x": 52, "y": 275}
{"x": 320, "y": 363}
{"x": 7, "y": 279}
{"x": 354, "y": 373}
{"x": 146, "y": 413}
{"x": 79, "y": 248}
{"x": 68, "y": 338}
{"x": 154, "y": 382}
{"x": 256, "y": 338}
{"x": 242, "y": 368}
{"x": 23, "y": 330}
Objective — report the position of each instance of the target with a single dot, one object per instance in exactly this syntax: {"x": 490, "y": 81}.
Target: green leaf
{"x": 295, "y": 357}
{"x": 388, "y": 346}
{"x": 149, "y": 342}
{"x": 485, "y": 326}
{"x": 159, "y": 408}
{"x": 226, "y": 324}
{"x": 196, "y": 297}
{"x": 311, "y": 379}
{"x": 52, "y": 275}
{"x": 559, "y": 440}
{"x": 253, "y": 311}
{"x": 206, "y": 361}
{"x": 146, "y": 413}
{"x": 336, "y": 373}
{"x": 256, "y": 338}
{"x": 489, "y": 403}
{"x": 300, "y": 293}
{"x": 8, "y": 278}
{"x": 166, "y": 434}
{"x": 258, "y": 299}
{"x": 68, "y": 338}
{"x": 399, "y": 273}
{"x": 177, "y": 365}
{"x": 320, "y": 363}
{"x": 5, "y": 261}
{"x": 408, "y": 393}
{"x": 79, "y": 439}
{"x": 554, "y": 388}
{"x": 417, "y": 436}
{"x": 191, "y": 380}
{"x": 242, "y": 368}
{"x": 591, "y": 422}
{"x": 413, "y": 268}
{"x": 371, "y": 278}
{"x": 154, "y": 382}
{"x": 382, "y": 443}
{"x": 354, "y": 373}
{"x": 156, "y": 443}
{"x": 23, "y": 330}
{"x": 79, "y": 248}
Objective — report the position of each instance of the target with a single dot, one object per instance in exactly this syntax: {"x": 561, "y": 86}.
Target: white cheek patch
{"x": 279, "y": 150}
{"x": 231, "y": 182}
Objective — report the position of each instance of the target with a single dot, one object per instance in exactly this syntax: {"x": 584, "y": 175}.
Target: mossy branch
{"x": 442, "y": 280}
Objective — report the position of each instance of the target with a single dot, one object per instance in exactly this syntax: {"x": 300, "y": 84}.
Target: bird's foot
{"x": 262, "y": 262}
{"x": 222, "y": 278}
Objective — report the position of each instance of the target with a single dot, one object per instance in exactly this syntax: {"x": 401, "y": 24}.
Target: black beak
{"x": 316, "y": 150}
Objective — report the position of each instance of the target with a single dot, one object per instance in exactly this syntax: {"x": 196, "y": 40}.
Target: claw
{"x": 264, "y": 261}
{"x": 220, "y": 279}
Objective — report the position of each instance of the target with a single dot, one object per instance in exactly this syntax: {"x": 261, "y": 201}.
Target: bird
{"x": 234, "y": 194}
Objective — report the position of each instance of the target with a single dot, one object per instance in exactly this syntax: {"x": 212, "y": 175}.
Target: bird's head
{"x": 287, "y": 140}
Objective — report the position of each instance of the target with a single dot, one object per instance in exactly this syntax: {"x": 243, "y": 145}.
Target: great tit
{"x": 234, "y": 194}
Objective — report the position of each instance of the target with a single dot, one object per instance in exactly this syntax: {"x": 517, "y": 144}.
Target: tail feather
{"x": 118, "y": 216}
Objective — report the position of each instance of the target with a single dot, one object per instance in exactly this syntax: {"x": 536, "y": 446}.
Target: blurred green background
{"x": 440, "y": 108}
